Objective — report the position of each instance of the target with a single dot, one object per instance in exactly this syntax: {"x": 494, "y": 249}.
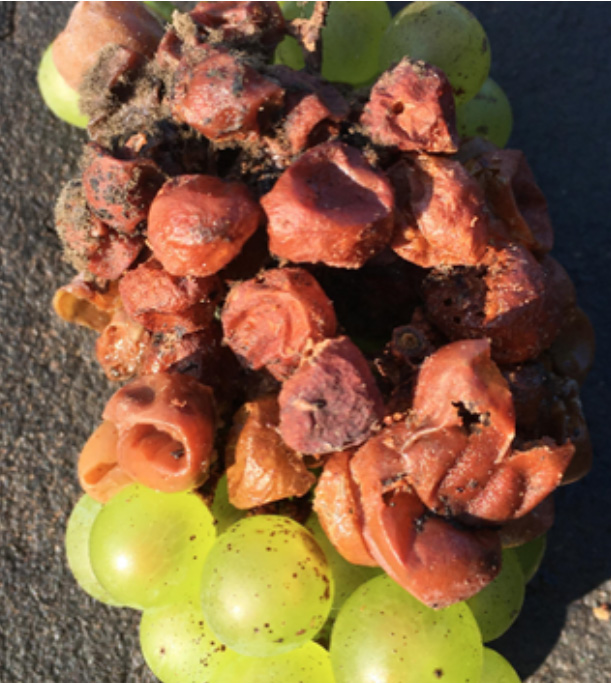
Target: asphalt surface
{"x": 553, "y": 61}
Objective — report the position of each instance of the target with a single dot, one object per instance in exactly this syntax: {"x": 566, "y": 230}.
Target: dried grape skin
{"x": 120, "y": 347}
{"x": 271, "y": 320}
{"x": 161, "y": 302}
{"x": 435, "y": 561}
{"x": 310, "y": 103}
{"x": 331, "y": 402}
{"x": 258, "y": 24}
{"x": 99, "y": 473}
{"x": 114, "y": 255}
{"x": 499, "y": 301}
{"x": 444, "y": 222}
{"x": 337, "y": 506}
{"x": 92, "y": 25}
{"x": 411, "y": 107}
{"x": 166, "y": 425}
{"x": 457, "y": 446}
{"x": 86, "y": 302}
{"x": 199, "y": 223}
{"x": 221, "y": 97}
{"x": 119, "y": 191}
{"x": 515, "y": 198}
{"x": 330, "y": 206}
{"x": 261, "y": 468}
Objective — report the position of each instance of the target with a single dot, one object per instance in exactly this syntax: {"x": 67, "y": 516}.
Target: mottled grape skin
{"x": 148, "y": 548}
{"x": 444, "y": 34}
{"x": 81, "y": 520}
{"x": 307, "y": 664}
{"x": 178, "y": 646}
{"x": 498, "y": 604}
{"x": 497, "y": 669}
{"x": 267, "y": 586}
{"x": 350, "y": 40}
{"x": 383, "y": 634}
{"x": 487, "y": 115}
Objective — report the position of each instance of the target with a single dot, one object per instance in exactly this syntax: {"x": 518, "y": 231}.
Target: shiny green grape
{"x": 347, "y": 577}
{"x": 487, "y": 115}
{"x": 384, "y": 634}
{"x": 61, "y": 99}
{"x": 162, "y": 10}
{"x": 497, "y": 605}
{"x": 497, "y": 669}
{"x": 350, "y": 40}
{"x": 266, "y": 587}
{"x": 78, "y": 529}
{"x": 224, "y": 513}
{"x": 148, "y": 548}
{"x": 444, "y": 34}
{"x": 178, "y": 646}
{"x": 309, "y": 663}
{"x": 530, "y": 555}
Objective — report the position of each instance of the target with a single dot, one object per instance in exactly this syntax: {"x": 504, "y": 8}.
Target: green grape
{"x": 497, "y": 605}
{"x": 384, "y": 634}
{"x": 530, "y": 555}
{"x": 267, "y": 586}
{"x": 308, "y": 664}
{"x": 148, "y": 548}
{"x": 350, "y": 40}
{"x": 347, "y": 577}
{"x": 487, "y": 115}
{"x": 78, "y": 529}
{"x": 497, "y": 669}
{"x": 162, "y": 10}
{"x": 178, "y": 646}
{"x": 224, "y": 513}
{"x": 61, "y": 99}
{"x": 444, "y": 34}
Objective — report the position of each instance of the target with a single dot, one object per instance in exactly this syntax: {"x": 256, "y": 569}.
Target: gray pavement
{"x": 553, "y": 60}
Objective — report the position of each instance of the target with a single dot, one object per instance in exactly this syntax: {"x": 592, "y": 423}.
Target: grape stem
{"x": 308, "y": 33}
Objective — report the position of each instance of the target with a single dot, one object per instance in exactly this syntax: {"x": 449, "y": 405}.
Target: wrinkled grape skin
{"x": 307, "y": 664}
{"x": 351, "y": 40}
{"x": 487, "y": 115}
{"x": 498, "y": 604}
{"x": 81, "y": 520}
{"x": 444, "y": 34}
{"x": 383, "y": 634}
{"x": 267, "y": 586}
{"x": 497, "y": 669}
{"x": 147, "y": 548}
{"x": 178, "y": 646}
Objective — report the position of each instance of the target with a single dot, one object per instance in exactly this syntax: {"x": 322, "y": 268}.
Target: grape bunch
{"x": 314, "y": 270}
